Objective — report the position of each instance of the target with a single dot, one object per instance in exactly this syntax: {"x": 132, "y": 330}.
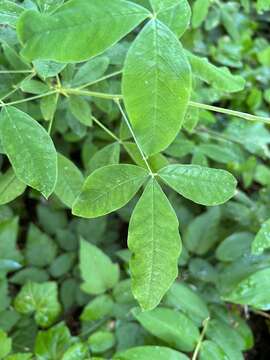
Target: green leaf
{"x": 101, "y": 341}
{"x": 39, "y": 243}
{"x": 109, "y": 155}
{"x": 200, "y": 12}
{"x": 200, "y": 184}
{"x": 155, "y": 59}
{"x": 9, "y": 12}
{"x": 253, "y": 291}
{"x": 175, "y": 14}
{"x": 262, "y": 239}
{"x": 40, "y": 299}
{"x": 33, "y": 274}
{"x": 29, "y": 149}
{"x": 34, "y": 87}
{"x": 10, "y": 187}
{"x": 154, "y": 240}
{"x": 218, "y": 77}
{"x": 227, "y": 338}
{"x": 211, "y": 351}
{"x": 49, "y": 5}
{"x": 80, "y": 108}
{"x": 55, "y": 37}
{"x": 48, "y": 69}
{"x": 203, "y": 232}
{"x": 91, "y": 70}
{"x": 97, "y": 270}
{"x": 77, "y": 351}
{"x": 19, "y": 356}
{"x": 108, "y": 189}
{"x": 150, "y": 352}
{"x": 6, "y": 344}
{"x": 170, "y": 326}
{"x": 8, "y": 238}
{"x": 62, "y": 264}
{"x": 97, "y": 308}
{"x": 53, "y": 343}
{"x": 182, "y": 297}
{"x": 48, "y": 105}
{"x": 234, "y": 246}
{"x": 69, "y": 181}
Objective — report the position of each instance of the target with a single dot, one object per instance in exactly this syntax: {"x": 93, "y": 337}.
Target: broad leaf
{"x": 10, "y": 187}
{"x": 218, "y": 77}
{"x": 157, "y": 64}
{"x": 40, "y": 299}
{"x": 175, "y": 14}
{"x": 97, "y": 270}
{"x": 154, "y": 240}
{"x": 29, "y": 149}
{"x": 69, "y": 181}
{"x": 150, "y": 352}
{"x": 170, "y": 326}
{"x": 211, "y": 351}
{"x": 253, "y": 290}
{"x": 108, "y": 189}
{"x": 262, "y": 239}
{"x": 234, "y": 246}
{"x": 200, "y": 184}
{"x": 55, "y": 36}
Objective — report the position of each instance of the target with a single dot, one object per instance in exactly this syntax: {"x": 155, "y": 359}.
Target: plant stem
{"x": 105, "y": 77}
{"x": 91, "y": 93}
{"x": 108, "y": 131}
{"x": 199, "y": 344}
{"x": 29, "y": 99}
{"x": 51, "y": 120}
{"x": 16, "y": 71}
{"x": 134, "y": 136}
{"x": 239, "y": 114}
{"x": 17, "y": 86}
{"x": 262, "y": 313}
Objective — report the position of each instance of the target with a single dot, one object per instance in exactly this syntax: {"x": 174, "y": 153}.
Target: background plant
{"x": 105, "y": 112}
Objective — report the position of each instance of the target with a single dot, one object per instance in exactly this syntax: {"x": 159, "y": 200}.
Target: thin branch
{"x": 108, "y": 131}
{"x": 16, "y": 71}
{"x": 199, "y": 344}
{"x": 91, "y": 93}
{"x": 105, "y": 77}
{"x": 28, "y": 99}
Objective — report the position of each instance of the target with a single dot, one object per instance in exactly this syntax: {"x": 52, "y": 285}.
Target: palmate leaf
{"x": 157, "y": 64}
{"x": 108, "y": 189}
{"x": 154, "y": 240}
{"x": 29, "y": 149}
{"x": 78, "y": 30}
{"x": 200, "y": 184}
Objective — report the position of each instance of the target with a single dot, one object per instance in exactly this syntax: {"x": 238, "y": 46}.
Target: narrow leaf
{"x": 108, "y": 189}
{"x": 200, "y": 184}
{"x": 154, "y": 240}
{"x": 78, "y": 30}
{"x": 157, "y": 64}
{"x": 29, "y": 149}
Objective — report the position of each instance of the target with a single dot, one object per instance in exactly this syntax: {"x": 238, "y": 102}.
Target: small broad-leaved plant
{"x": 115, "y": 72}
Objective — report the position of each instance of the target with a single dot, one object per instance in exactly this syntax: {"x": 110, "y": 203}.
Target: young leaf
{"x": 157, "y": 64}
{"x": 29, "y": 149}
{"x": 150, "y": 352}
{"x": 200, "y": 12}
{"x": 34, "y": 87}
{"x": 41, "y": 299}
{"x": 97, "y": 270}
{"x": 154, "y": 240}
{"x": 91, "y": 70}
{"x": 108, "y": 189}
{"x": 175, "y": 14}
{"x": 218, "y": 77}
{"x": 171, "y": 326}
{"x": 262, "y": 239}
{"x": 78, "y": 30}
{"x": 202, "y": 185}
{"x": 69, "y": 181}
{"x": 10, "y": 187}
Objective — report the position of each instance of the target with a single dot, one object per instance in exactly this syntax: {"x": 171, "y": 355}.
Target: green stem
{"x": 16, "y": 71}
{"x": 103, "y": 127}
{"x": 134, "y": 136}
{"x": 199, "y": 344}
{"x": 105, "y": 77}
{"x": 28, "y": 99}
{"x": 51, "y": 120}
{"x": 91, "y": 93}
{"x": 17, "y": 86}
{"x": 239, "y": 114}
